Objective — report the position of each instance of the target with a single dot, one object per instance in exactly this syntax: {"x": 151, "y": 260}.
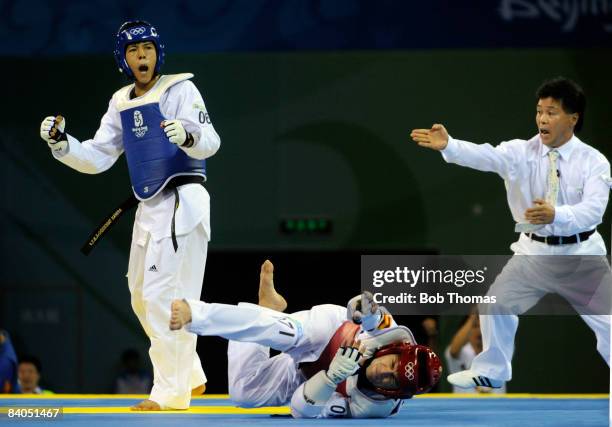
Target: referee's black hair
{"x": 568, "y": 93}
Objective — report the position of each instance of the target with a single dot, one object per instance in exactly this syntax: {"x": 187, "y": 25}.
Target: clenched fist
{"x": 176, "y": 133}
{"x": 52, "y": 132}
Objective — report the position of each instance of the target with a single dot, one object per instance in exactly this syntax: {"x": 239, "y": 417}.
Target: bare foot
{"x": 180, "y": 314}
{"x": 199, "y": 390}
{"x": 146, "y": 405}
{"x": 268, "y": 297}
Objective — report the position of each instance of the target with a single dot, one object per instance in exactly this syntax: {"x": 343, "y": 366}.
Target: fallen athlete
{"x": 329, "y": 366}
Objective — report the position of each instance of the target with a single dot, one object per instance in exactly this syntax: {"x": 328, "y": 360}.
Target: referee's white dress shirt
{"x": 583, "y": 194}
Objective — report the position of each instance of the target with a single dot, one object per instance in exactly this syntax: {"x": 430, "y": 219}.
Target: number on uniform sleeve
{"x": 204, "y": 118}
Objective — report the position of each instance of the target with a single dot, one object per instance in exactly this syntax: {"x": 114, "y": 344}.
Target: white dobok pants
{"x": 156, "y": 276}
{"x": 255, "y": 378}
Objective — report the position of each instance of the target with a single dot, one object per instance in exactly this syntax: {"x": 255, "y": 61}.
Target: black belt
{"x": 132, "y": 202}
{"x": 561, "y": 240}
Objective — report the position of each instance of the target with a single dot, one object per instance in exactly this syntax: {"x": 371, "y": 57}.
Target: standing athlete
{"x": 557, "y": 197}
{"x": 363, "y": 367}
{"x": 161, "y": 123}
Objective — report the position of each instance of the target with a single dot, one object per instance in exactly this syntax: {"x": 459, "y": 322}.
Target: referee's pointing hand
{"x": 435, "y": 138}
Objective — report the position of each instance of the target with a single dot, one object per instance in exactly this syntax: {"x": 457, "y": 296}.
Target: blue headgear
{"x": 136, "y": 32}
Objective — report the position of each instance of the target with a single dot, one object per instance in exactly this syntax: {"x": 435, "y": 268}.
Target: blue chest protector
{"x": 152, "y": 159}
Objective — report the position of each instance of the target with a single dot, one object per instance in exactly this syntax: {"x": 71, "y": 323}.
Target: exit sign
{"x": 306, "y": 225}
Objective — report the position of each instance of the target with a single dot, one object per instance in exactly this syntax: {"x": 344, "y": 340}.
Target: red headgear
{"x": 418, "y": 370}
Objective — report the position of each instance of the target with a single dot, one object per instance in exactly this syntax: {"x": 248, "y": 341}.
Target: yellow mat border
{"x": 233, "y": 410}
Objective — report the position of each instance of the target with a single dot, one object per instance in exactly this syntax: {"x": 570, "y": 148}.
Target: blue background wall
{"x": 314, "y": 102}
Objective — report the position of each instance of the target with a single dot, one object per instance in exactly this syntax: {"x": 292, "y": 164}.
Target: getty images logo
{"x": 138, "y": 129}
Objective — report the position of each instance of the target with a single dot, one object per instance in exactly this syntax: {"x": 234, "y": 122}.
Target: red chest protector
{"x": 344, "y": 336}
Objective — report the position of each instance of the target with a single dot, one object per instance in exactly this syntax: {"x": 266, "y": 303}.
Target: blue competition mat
{"x": 437, "y": 410}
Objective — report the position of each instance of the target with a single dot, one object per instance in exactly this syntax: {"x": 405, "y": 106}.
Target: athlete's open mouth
{"x": 143, "y": 68}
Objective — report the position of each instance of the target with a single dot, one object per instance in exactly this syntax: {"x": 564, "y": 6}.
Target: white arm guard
{"x": 356, "y": 405}
{"x": 309, "y": 400}
{"x": 318, "y": 389}
{"x": 337, "y": 406}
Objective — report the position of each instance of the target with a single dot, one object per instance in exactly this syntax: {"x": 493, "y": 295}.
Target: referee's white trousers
{"x": 498, "y": 333}
{"x": 515, "y": 287}
{"x": 156, "y": 276}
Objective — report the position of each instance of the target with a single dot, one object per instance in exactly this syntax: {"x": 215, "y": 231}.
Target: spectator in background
{"x": 430, "y": 326}
{"x": 132, "y": 379}
{"x": 464, "y": 346}
{"x": 29, "y": 371}
{"x": 8, "y": 365}
{"x": 424, "y": 328}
